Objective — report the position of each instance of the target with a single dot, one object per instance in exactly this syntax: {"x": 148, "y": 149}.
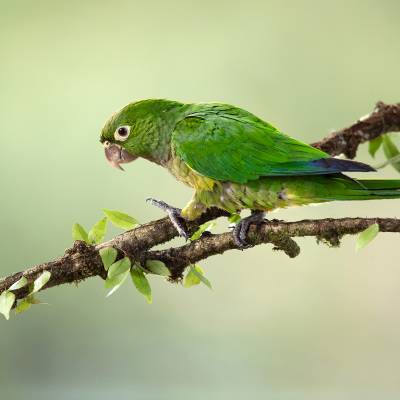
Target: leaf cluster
{"x": 7, "y": 298}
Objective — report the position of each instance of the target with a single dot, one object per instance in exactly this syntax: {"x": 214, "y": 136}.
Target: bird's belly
{"x": 263, "y": 194}
{"x": 186, "y": 175}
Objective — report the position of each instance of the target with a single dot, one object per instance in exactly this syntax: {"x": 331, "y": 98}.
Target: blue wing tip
{"x": 339, "y": 165}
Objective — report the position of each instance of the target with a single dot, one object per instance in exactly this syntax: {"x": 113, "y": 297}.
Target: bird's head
{"x": 118, "y": 138}
{"x": 140, "y": 129}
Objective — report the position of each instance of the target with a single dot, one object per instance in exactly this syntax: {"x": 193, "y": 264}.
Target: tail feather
{"x": 364, "y": 189}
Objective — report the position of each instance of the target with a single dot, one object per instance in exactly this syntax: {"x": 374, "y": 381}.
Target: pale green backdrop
{"x": 325, "y": 325}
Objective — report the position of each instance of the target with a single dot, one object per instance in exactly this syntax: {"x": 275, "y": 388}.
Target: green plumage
{"x": 229, "y": 144}
{"x": 235, "y": 160}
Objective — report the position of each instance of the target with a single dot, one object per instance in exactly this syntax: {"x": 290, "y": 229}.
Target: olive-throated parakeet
{"x": 233, "y": 160}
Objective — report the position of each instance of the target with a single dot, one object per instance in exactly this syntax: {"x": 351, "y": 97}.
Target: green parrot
{"x": 233, "y": 160}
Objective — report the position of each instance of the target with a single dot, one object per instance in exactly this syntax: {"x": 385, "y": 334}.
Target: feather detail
{"x": 234, "y": 145}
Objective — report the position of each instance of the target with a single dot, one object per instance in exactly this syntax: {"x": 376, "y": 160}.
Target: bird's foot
{"x": 174, "y": 215}
{"x": 241, "y": 228}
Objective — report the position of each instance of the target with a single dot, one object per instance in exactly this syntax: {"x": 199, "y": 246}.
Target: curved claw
{"x": 240, "y": 230}
{"x": 174, "y": 215}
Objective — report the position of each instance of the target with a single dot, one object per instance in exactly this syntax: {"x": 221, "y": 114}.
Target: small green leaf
{"x": 120, "y": 219}
{"x": 374, "y": 145}
{"x": 108, "y": 256}
{"x": 367, "y": 236}
{"x": 97, "y": 233}
{"x": 191, "y": 279}
{"x": 207, "y": 226}
{"x": 24, "y": 305}
{"x": 41, "y": 281}
{"x": 157, "y": 267}
{"x": 200, "y": 275}
{"x": 19, "y": 284}
{"x": 119, "y": 267}
{"x": 234, "y": 218}
{"x": 142, "y": 284}
{"x": 117, "y": 274}
{"x": 79, "y": 233}
{"x": 195, "y": 276}
{"x": 391, "y": 152}
{"x": 116, "y": 282}
{"x": 6, "y": 302}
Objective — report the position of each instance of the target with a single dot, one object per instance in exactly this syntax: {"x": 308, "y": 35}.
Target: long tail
{"x": 345, "y": 188}
{"x": 303, "y": 190}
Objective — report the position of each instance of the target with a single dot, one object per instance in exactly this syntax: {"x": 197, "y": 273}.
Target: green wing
{"x": 233, "y": 145}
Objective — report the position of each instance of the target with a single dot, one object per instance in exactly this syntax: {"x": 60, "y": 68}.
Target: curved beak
{"x": 117, "y": 155}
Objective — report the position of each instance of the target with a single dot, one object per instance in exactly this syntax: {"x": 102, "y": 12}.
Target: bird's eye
{"x": 122, "y": 133}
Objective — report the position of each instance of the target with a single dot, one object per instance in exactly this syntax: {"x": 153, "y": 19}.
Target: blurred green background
{"x": 325, "y": 325}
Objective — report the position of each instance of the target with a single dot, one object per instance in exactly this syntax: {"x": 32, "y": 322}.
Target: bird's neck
{"x": 157, "y": 141}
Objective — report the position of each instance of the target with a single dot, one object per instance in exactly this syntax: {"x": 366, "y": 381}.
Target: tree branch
{"x": 384, "y": 119}
{"x": 83, "y": 261}
{"x": 275, "y": 232}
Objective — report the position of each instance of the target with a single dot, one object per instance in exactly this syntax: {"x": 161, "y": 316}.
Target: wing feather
{"x": 233, "y": 145}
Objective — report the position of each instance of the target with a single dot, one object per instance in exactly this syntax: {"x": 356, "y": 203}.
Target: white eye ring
{"x": 122, "y": 133}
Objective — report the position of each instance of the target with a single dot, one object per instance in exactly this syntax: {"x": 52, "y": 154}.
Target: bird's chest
{"x": 185, "y": 174}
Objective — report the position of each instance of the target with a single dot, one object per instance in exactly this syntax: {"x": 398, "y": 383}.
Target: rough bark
{"x": 384, "y": 119}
